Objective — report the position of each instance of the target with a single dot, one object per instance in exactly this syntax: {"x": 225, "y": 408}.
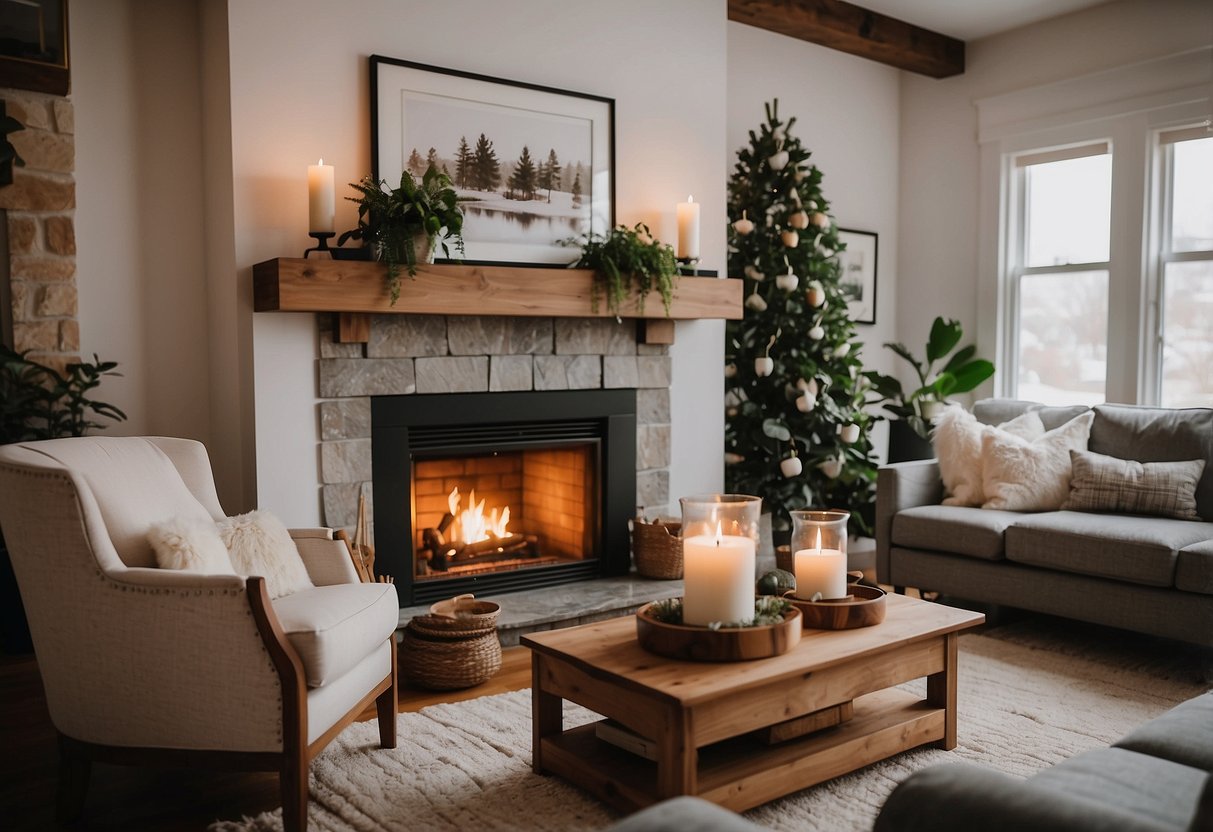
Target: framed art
{"x": 534, "y": 165}
{"x": 33, "y": 46}
{"x": 857, "y": 274}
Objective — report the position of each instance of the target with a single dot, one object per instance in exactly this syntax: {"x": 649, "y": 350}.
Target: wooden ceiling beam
{"x": 856, "y": 31}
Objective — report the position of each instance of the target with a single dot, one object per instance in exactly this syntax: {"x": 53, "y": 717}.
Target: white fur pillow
{"x": 260, "y": 545}
{"x": 1023, "y": 475}
{"x": 957, "y": 441}
{"x": 189, "y": 543}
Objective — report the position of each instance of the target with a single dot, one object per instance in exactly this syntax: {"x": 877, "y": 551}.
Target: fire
{"x": 471, "y": 525}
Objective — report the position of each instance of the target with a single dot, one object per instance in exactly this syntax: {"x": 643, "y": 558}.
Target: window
{"x": 1185, "y": 354}
{"x": 1059, "y": 274}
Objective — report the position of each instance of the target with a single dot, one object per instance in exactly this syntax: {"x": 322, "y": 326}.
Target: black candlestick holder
{"x": 322, "y": 248}
{"x": 688, "y": 265}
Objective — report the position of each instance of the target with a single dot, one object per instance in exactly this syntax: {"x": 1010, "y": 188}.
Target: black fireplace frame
{"x": 405, "y": 427}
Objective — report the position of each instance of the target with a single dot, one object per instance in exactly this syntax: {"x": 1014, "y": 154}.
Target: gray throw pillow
{"x": 1106, "y": 483}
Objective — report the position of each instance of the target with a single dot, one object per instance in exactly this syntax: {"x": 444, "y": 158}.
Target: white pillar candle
{"x": 321, "y": 197}
{"x": 718, "y": 575}
{"x": 688, "y": 230}
{"x": 820, "y": 570}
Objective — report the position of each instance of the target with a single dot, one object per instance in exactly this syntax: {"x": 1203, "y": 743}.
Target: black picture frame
{"x": 34, "y": 53}
{"x": 857, "y": 273}
{"x": 422, "y": 113}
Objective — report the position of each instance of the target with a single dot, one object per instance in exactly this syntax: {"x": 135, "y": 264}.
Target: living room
{"x": 193, "y": 124}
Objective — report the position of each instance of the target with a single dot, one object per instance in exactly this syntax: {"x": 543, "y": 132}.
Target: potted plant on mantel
{"x": 401, "y": 225}
{"x": 624, "y": 261}
{"x": 910, "y": 433}
{"x": 40, "y": 402}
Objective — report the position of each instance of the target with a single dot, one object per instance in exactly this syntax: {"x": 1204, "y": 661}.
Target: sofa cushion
{"x": 1151, "y": 789}
{"x": 997, "y": 411}
{"x": 1194, "y": 569}
{"x": 1108, "y": 483}
{"x": 960, "y": 530}
{"x": 1031, "y": 475}
{"x": 335, "y": 627}
{"x": 1182, "y": 735}
{"x": 957, "y": 442}
{"x": 1155, "y": 434}
{"x": 1140, "y": 550}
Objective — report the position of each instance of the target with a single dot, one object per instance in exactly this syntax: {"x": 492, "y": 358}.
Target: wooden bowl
{"x": 864, "y": 607}
{"x": 733, "y": 644}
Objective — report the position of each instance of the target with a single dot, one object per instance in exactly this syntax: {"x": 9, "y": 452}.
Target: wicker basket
{"x": 442, "y": 653}
{"x": 657, "y": 548}
{"x": 468, "y": 611}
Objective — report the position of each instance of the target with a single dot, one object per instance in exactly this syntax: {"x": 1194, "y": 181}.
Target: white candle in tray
{"x": 321, "y": 193}
{"x": 688, "y": 230}
{"x": 718, "y": 571}
{"x": 820, "y": 570}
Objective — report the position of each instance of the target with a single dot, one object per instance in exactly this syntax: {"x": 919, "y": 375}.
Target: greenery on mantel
{"x": 401, "y": 225}
{"x": 40, "y": 402}
{"x": 768, "y": 610}
{"x": 961, "y": 374}
{"x": 624, "y": 261}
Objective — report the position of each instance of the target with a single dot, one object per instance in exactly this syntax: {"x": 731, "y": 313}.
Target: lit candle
{"x": 820, "y": 570}
{"x": 688, "y": 230}
{"x": 321, "y": 193}
{"x": 718, "y": 571}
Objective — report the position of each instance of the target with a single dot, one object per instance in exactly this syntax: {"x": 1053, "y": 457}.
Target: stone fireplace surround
{"x": 424, "y": 354}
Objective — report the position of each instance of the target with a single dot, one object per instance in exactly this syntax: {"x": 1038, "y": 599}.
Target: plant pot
{"x": 905, "y": 444}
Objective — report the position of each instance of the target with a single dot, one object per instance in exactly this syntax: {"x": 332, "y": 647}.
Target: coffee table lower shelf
{"x": 742, "y": 772}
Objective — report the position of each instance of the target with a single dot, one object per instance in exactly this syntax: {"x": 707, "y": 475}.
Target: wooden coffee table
{"x": 704, "y": 718}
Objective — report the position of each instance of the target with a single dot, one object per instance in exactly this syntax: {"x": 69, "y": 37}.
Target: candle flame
{"x": 321, "y": 162}
{"x": 719, "y": 533}
{"x": 690, "y": 198}
{"x": 819, "y": 541}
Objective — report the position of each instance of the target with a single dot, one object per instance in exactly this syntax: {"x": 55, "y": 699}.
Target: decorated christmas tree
{"x": 796, "y": 433}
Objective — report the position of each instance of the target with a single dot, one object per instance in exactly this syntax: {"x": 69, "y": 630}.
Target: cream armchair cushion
{"x": 333, "y": 628}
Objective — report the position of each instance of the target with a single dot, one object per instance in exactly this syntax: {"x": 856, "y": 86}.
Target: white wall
{"x": 135, "y": 86}
{"x": 939, "y": 209}
{"x": 299, "y": 90}
{"x": 847, "y": 115}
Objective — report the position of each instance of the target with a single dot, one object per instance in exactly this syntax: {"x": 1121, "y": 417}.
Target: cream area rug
{"x": 1031, "y": 694}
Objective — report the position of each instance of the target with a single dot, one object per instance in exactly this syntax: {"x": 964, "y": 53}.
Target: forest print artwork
{"x": 525, "y": 175}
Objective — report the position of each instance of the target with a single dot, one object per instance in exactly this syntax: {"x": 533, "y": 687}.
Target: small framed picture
{"x": 33, "y": 46}
{"x": 533, "y": 165}
{"x": 857, "y": 273}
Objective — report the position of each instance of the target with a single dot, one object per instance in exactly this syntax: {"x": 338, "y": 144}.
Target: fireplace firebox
{"x": 499, "y": 492}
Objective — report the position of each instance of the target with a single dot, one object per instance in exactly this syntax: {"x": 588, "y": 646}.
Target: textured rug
{"x": 1031, "y": 694}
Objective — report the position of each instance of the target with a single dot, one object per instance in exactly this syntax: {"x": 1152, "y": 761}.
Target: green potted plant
{"x": 401, "y": 225}
{"x": 40, "y": 402}
{"x": 961, "y": 373}
{"x": 624, "y": 261}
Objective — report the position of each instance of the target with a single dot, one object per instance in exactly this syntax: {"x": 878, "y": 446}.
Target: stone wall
{"x": 420, "y": 354}
{"x": 39, "y": 207}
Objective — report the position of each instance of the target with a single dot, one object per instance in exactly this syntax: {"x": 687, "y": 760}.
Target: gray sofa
{"x": 1157, "y": 779}
{"x": 1148, "y": 574}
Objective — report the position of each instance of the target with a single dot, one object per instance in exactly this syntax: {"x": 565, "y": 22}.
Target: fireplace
{"x": 498, "y": 492}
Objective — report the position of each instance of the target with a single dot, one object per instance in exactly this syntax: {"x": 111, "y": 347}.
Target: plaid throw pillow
{"x": 1105, "y": 483}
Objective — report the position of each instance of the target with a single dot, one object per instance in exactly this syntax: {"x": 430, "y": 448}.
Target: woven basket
{"x": 438, "y": 655}
{"x": 468, "y": 611}
{"x": 657, "y": 548}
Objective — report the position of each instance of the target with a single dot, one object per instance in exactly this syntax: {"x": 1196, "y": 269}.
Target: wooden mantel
{"x": 358, "y": 288}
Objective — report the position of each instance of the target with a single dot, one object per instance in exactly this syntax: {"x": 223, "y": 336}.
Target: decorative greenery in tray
{"x": 625, "y": 260}
{"x": 393, "y": 220}
{"x": 768, "y": 610}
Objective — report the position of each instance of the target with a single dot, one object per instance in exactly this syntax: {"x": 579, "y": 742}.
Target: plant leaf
{"x": 970, "y": 375}
{"x": 945, "y": 335}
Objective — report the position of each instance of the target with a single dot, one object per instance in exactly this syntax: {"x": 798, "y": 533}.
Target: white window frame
{"x": 1127, "y": 107}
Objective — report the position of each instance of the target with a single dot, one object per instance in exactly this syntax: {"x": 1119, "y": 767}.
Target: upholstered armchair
{"x": 143, "y": 665}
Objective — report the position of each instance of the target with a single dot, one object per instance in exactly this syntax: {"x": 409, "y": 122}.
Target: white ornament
{"x": 790, "y": 238}
{"x": 753, "y": 274}
{"x": 779, "y": 135}
{"x": 756, "y": 303}
{"x": 764, "y": 365}
{"x": 744, "y": 225}
{"x": 810, "y": 385}
{"x": 817, "y": 333}
{"x": 812, "y": 206}
{"x": 842, "y": 350}
{"x": 788, "y": 282}
{"x": 730, "y": 370}
{"x": 806, "y": 402}
{"x": 778, "y": 161}
{"x": 733, "y": 459}
{"x": 849, "y": 433}
{"x": 830, "y": 467}
{"x": 791, "y": 467}
{"x": 816, "y": 295}
{"x": 799, "y": 220}
{"x": 820, "y": 220}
